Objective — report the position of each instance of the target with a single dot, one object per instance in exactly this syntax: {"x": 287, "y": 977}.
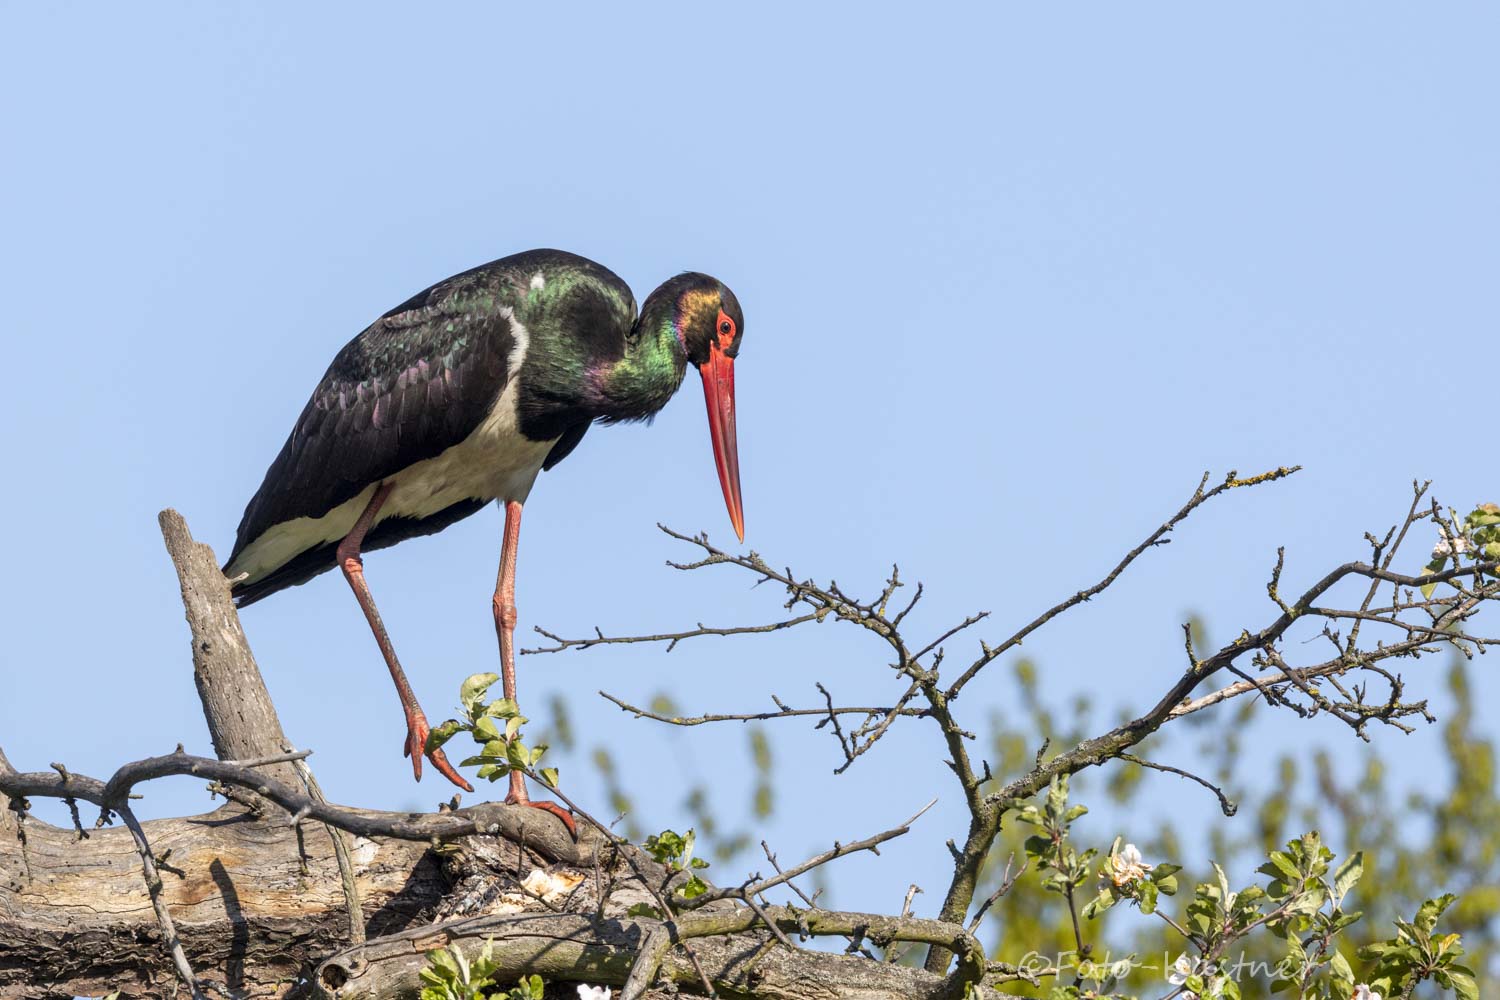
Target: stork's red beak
{"x": 718, "y": 391}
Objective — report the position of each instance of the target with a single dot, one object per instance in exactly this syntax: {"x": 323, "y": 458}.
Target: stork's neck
{"x": 637, "y": 384}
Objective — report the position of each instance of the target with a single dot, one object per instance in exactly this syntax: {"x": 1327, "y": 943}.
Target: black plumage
{"x": 416, "y": 382}
{"x": 463, "y": 394}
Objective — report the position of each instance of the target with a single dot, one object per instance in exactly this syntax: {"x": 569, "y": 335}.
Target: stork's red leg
{"x": 505, "y": 629}
{"x": 354, "y": 571}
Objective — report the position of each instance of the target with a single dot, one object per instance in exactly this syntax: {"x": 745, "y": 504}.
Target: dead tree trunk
{"x": 257, "y": 901}
{"x": 241, "y": 718}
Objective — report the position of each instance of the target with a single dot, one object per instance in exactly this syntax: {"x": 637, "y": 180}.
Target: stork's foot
{"x": 514, "y": 799}
{"x": 416, "y": 740}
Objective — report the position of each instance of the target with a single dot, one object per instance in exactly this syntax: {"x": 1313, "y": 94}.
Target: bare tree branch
{"x": 241, "y": 719}
{"x": 781, "y": 713}
{"x": 1157, "y": 537}
{"x": 838, "y": 850}
{"x": 163, "y": 916}
{"x": 1225, "y": 805}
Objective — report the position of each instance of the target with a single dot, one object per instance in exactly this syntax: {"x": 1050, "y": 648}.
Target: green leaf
{"x": 443, "y": 963}
{"x": 515, "y": 753}
{"x": 513, "y": 726}
{"x": 1435, "y": 566}
{"x": 442, "y": 734}
{"x": 502, "y": 708}
{"x": 473, "y": 689}
{"x": 1224, "y": 879}
{"x": 644, "y": 910}
{"x": 1099, "y": 904}
{"x": 1348, "y": 874}
{"x": 485, "y": 730}
{"x": 1038, "y": 845}
{"x": 1464, "y": 985}
{"x": 1148, "y": 892}
{"x": 665, "y": 846}
{"x": 1307, "y": 902}
{"x": 1285, "y": 866}
{"x": 1485, "y": 513}
{"x": 548, "y": 776}
{"x": 1428, "y": 913}
{"x": 1339, "y": 966}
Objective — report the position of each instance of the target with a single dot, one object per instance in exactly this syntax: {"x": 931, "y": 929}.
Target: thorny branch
{"x": 1257, "y": 658}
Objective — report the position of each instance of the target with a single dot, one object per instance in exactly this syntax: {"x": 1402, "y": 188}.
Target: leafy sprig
{"x": 449, "y": 975}
{"x": 1474, "y": 539}
{"x": 496, "y": 727}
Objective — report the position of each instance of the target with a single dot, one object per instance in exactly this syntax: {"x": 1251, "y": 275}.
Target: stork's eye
{"x": 726, "y": 330}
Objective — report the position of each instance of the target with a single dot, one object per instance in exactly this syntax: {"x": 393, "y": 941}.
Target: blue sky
{"x": 1013, "y": 277}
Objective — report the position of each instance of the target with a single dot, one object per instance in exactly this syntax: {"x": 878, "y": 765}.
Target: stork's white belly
{"x": 495, "y": 462}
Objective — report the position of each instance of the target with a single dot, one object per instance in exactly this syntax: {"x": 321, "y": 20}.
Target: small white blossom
{"x": 1186, "y": 966}
{"x": 1127, "y": 866}
{"x": 1450, "y": 546}
{"x": 594, "y": 992}
{"x": 1181, "y": 969}
{"x": 1363, "y": 992}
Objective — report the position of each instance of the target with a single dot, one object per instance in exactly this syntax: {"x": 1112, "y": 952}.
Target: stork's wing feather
{"x": 416, "y": 382}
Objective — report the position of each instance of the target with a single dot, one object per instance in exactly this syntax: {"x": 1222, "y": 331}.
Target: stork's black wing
{"x": 413, "y": 384}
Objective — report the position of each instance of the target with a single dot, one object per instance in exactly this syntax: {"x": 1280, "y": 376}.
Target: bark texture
{"x": 574, "y": 948}
{"x": 241, "y": 718}
{"x": 254, "y": 901}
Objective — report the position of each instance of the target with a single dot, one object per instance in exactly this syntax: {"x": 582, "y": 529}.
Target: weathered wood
{"x": 241, "y": 718}
{"x": 575, "y": 948}
{"x": 254, "y": 901}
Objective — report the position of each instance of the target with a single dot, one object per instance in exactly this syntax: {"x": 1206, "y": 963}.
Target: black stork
{"x": 461, "y": 395}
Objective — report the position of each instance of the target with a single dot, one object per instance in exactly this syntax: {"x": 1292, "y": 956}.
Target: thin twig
{"x": 837, "y": 851}
{"x": 1157, "y": 537}
{"x": 670, "y": 638}
{"x": 340, "y": 852}
{"x": 783, "y": 713}
{"x": 1229, "y": 807}
{"x": 163, "y": 915}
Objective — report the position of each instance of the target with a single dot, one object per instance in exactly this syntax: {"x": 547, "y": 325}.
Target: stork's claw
{"x": 551, "y": 807}
{"x": 416, "y": 742}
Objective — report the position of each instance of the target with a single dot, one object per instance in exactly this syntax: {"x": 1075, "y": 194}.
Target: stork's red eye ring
{"x": 726, "y": 330}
